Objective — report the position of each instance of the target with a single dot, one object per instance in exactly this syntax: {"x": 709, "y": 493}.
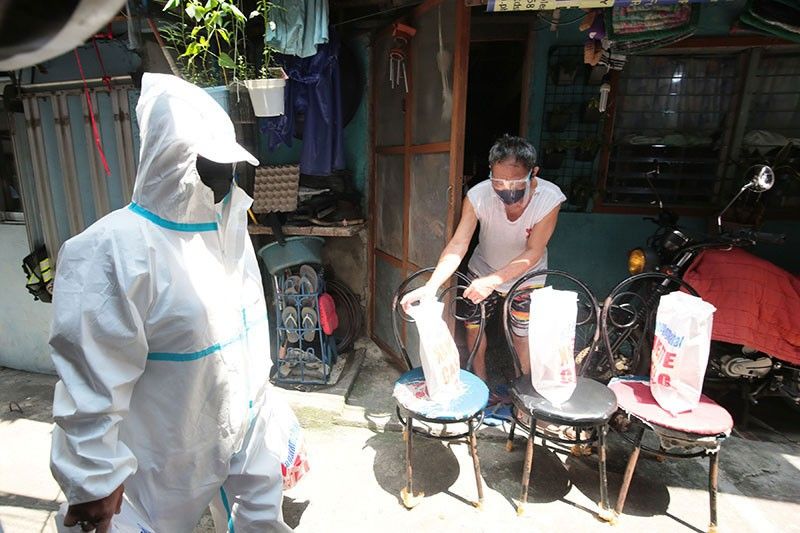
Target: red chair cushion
{"x": 708, "y": 418}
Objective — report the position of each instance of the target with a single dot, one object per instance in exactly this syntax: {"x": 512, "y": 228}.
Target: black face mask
{"x": 510, "y": 197}
{"x": 215, "y": 176}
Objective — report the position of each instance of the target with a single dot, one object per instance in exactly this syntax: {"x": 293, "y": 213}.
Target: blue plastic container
{"x": 296, "y": 251}
{"x": 220, "y": 94}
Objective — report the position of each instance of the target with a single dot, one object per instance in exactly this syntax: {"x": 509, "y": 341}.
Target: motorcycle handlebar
{"x": 771, "y": 238}
{"x": 739, "y": 238}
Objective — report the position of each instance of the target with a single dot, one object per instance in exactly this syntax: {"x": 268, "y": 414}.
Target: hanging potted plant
{"x": 587, "y": 149}
{"x": 581, "y": 190}
{"x": 591, "y": 111}
{"x": 204, "y": 37}
{"x": 554, "y": 153}
{"x": 558, "y": 119}
{"x": 266, "y": 91}
{"x": 564, "y": 71}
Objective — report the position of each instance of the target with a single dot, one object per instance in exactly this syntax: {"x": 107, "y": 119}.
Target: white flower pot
{"x": 266, "y": 96}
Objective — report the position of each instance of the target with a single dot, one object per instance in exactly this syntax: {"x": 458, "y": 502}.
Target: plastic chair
{"x": 466, "y": 408}
{"x": 627, "y": 324}
{"x": 591, "y": 405}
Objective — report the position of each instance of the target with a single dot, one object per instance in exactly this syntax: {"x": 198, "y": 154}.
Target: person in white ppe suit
{"x": 161, "y": 341}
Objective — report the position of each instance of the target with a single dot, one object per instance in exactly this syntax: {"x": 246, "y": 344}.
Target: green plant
{"x": 554, "y": 146}
{"x": 564, "y": 70}
{"x": 206, "y": 38}
{"x": 558, "y": 119}
{"x": 589, "y": 144}
{"x": 244, "y": 70}
{"x": 581, "y": 189}
{"x": 591, "y": 111}
{"x": 264, "y": 7}
{"x": 586, "y": 148}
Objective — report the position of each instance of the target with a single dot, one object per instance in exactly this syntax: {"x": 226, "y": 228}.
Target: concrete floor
{"x": 358, "y": 470}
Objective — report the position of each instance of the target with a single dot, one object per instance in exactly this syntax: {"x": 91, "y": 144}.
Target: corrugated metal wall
{"x": 64, "y": 185}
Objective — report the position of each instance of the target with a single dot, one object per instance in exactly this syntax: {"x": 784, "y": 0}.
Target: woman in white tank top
{"x": 517, "y": 212}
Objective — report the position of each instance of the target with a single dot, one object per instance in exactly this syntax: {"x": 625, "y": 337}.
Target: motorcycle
{"x": 673, "y": 250}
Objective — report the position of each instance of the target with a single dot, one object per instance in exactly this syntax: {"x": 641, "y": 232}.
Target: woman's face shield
{"x": 511, "y": 191}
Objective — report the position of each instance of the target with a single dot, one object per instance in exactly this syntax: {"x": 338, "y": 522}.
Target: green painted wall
{"x": 595, "y": 247}
{"x": 356, "y": 134}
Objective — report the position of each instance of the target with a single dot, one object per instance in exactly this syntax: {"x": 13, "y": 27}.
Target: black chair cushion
{"x": 592, "y": 403}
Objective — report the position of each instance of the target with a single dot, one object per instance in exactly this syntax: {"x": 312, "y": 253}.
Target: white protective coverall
{"x": 160, "y": 336}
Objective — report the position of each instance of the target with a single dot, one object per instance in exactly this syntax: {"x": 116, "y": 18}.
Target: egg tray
{"x": 275, "y": 189}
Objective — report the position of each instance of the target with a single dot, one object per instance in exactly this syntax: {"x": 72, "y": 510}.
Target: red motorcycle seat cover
{"x": 758, "y": 303}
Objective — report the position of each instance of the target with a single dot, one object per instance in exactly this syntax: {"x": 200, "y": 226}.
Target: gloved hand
{"x": 96, "y": 515}
{"x": 416, "y": 295}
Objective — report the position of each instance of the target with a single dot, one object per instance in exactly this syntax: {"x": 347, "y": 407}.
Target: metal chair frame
{"x": 405, "y": 416}
{"x": 598, "y": 431}
{"x": 642, "y": 320}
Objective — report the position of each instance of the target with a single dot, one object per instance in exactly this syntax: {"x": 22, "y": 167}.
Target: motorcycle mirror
{"x": 763, "y": 180}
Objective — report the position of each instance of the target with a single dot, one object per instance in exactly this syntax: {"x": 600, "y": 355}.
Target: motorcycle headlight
{"x": 637, "y": 260}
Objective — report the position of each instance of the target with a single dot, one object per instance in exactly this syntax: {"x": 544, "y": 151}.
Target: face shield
{"x": 512, "y": 191}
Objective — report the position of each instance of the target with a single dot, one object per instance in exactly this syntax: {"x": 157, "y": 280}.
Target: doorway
{"x": 494, "y": 101}
{"x": 496, "y": 85}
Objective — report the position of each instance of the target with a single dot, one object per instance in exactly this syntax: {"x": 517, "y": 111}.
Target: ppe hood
{"x": 177, "y": 122}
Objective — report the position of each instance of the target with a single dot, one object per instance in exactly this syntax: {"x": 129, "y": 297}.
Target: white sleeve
{"x": 476, "y": 199}
{"x": 99, "y": 349}
{"x": 551, "y": 198}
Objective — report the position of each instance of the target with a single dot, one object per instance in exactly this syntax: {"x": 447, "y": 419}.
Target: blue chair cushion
{"x": 412, "y": 395}
{"x": 591, "y": 403}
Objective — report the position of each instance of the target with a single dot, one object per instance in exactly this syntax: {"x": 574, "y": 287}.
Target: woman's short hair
{"x": 513, "y": 148}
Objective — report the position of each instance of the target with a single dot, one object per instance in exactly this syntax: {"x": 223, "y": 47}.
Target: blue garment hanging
{"x": 300, "y": 25}
{"x": 312, "y": 90}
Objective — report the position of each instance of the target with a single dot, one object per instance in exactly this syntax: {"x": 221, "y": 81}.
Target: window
{"x": 701, "y": 119}
{"x": 773, "y": 120}
{"x": 672, "y": 112}
{"x": 10, "y": 201}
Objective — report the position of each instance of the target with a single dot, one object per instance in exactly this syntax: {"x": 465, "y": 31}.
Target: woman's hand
{"x": 481, "y": 288}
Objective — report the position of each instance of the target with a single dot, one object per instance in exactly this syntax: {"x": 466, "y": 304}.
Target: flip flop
{"x": 310, "y": 360}
{"x": 287, "y": 364}
{"x": 285, "y": 368}
{"x": 291, "y": 287}
{"x": 309, "y": 280}
{"x": 500, "y": 395}
{"x": 496, "y": 415}
{"x": 309, "y": 317}
{"x": 289, "y": 319}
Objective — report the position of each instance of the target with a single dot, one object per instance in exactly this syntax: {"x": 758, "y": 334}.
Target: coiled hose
{"x": 348, "y": 307}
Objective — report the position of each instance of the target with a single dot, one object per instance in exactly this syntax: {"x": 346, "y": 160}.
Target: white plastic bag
{"x": 129, "y": 520}
{"x": 680, "y": 351}
{"x": 437, "y": 351}
{"x": 551, "y": 342}
{"x": 284, "y": 438}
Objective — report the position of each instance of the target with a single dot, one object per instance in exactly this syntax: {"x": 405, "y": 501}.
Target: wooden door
{"x": 418, "y": 145}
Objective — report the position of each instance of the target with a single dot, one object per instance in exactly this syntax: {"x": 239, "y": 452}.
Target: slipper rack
{"x": 305, "y": 353}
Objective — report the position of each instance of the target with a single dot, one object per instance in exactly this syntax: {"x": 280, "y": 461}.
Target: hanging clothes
{"x": 313, "y": 91}
{"x": 299, "y": 26}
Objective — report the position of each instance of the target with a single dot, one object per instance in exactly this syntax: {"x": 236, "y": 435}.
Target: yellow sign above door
{"x": 547, "y": 5}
